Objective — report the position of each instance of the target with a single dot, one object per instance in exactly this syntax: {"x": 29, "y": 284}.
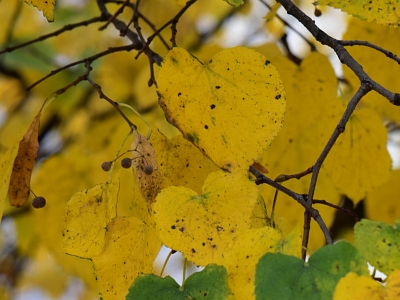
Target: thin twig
{"x": 261, "y": 178}
{"x": 55, "y": 33}
{"x": 362, "y": 91}
{"x": 103, "y": 96}
{"x": 343, "y": 55}
{"x": 284, "y": 177}
{"x": 347, "y": 211}
{"x": 373, "y": 46}
{"x": 312, "y": 46}
{"x": 174, "y": 20}
{"x": 13, "y": 21}
{"x": 118, "y": 12}
{"x": 90, "y": 58}
{"x": 144, "y": 18}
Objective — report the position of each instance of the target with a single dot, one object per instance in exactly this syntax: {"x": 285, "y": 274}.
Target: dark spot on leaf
{"x": 277, "y": 97}
{"x": 219, "y": 228}
{"x": 173, "y": 227}
{"x": 267, "y": 62}
{"x": 179, "y": 94}
{"x": 214, "y": 246}
{"x": 187, "y": 165}
{"x": 217, "y": 87}
{"x": 206, "y": 126}
{"x": 212, "y": 106}
{"x": 182, "y": 229}
{"x": 203, "y": 244}
{"x": 194, "y": 138}
{"x": 193, "y": 251}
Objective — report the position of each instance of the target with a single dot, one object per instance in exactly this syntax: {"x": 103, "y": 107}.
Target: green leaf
{"x": 211, "y": 283}
{"x": 235, "y": 3}
{"x": 379, "y": 243}
{"x": 231, "y": 109}
{"x": 282, "y": 277}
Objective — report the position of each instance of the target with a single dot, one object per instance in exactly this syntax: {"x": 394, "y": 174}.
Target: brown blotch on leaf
{"x": 20, "y": 179}
{"x": 143, "y": 155}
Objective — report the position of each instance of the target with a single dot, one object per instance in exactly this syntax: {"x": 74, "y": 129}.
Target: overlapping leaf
{"x": 210, "y": 283}
{"x": 200, "y": 226}
{"x": 242, "y": 259}
{"x": 46, "y": 6}
{"x": 181, "y": 163}
{"x": 379, "y": 243}
{"x": 86, "y": 217}
{"x": 377, "y": 11}
{"x": 131, "y": 246}
{"x": 284, "y": 277}
{"x": 352, "y": 162}
{"x": 6, "y": 166}
{"x": 150, "y": 183}
{"x": 231, "y": 109}
{"x": 24, "y": 162}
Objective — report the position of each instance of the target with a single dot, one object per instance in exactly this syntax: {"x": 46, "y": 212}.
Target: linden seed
{"x": 38, "y": 202}
{"x": 106, "y": 166}
{"x": 148, "y": 170}
{"x": 126, "y": 163}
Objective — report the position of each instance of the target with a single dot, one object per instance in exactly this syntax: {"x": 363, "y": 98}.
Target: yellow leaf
{"x": 378, "y": 11}
{"x": 380, "y": 68}
{"x": 20, "y": 180}
{"x": 393, "y": 285}
{"x": 231, "y": 109}
{"x": 353, "y": 287}
{"x": 352, "y": 162}
{"x": 241, "y": 260}
{"x": 131, "y": 245}
{"x": 383, "y": 203}
{"x": 6, "y": 166}
{"x": 46, "y": 6}
{"x": 146, "y": 168}
{"x": 86, "y": 217}
{"x": 181, "y": 163}
{"x": 200, "y": 226}
{"x": 312, "y": 114}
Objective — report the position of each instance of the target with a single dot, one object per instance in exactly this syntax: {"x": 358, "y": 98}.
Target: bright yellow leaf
{"x": 352, "y": 162}
{"x": 181, "y": 163}
{"x": 353, "y": 287}
{"x": 46, "y": 6}
{"x": 231, "y": 109}
{"x": 6, "y": 167}
{"x": 86, "y": 217}
{"x": 377, "y": 11}
{"x": 200, "y": 226}
{"x": 131, "y": 246}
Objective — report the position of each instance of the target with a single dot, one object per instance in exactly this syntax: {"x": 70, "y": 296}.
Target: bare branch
{"x": 55, "y": 33}
{"x": 389, "y": 54}
{"x": 90, "y": 59}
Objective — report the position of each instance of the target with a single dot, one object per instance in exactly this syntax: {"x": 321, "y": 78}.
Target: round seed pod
{"x": 38, "y": 202}
{"x": 106, "y": 166}
{"x": 148, "y": 170}
{"x": 126, "y": 163}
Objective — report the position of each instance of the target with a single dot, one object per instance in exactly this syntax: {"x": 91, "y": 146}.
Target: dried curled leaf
{"x": 23, "y": 165}
{"x": 143, "y": 156}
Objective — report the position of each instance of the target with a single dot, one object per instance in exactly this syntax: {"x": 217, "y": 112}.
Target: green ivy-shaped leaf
{"x": 280, "y": 276}
{"x": 210, "y": 284}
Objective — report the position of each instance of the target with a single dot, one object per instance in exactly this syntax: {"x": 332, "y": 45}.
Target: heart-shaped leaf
{"x": 231, "y": 109}
{"x": 201, "y": 226}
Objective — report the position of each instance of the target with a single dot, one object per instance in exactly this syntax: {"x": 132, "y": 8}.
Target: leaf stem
{"x": 166, "y": 261}
{"x": 184, "y": 271}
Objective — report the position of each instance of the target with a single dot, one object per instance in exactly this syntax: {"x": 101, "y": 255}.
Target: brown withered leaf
{"x": 145, "y": 166}
{"x": 23, "y": 165}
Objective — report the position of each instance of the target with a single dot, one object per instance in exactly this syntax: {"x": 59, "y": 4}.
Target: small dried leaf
{"x": 144, "y": 155}
{"x": 23, "y": 165}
